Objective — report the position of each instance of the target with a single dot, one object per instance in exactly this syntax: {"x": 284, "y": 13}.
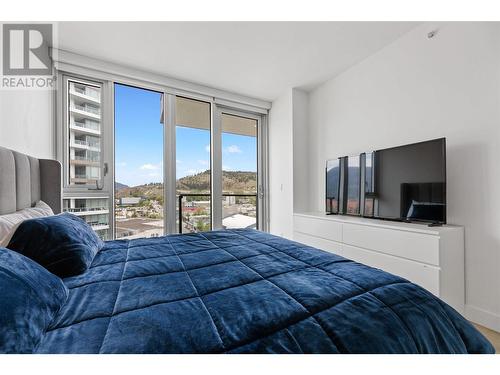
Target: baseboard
{"x": 482, "y": 317}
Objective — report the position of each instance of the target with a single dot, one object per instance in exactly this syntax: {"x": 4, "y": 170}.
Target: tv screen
{"x": 406, "y": 183}
{"x": 410, "y": 182}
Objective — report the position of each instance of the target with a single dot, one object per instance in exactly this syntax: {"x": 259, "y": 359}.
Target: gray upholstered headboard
{"x": 24, "y": 180}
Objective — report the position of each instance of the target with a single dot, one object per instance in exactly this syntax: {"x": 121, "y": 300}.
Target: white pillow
{"x": 10, "y": 222}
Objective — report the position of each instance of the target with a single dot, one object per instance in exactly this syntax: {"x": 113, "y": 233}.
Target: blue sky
{"x": 139, "y": 142}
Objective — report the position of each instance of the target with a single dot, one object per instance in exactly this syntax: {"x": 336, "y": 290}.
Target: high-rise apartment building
{"x": 94, "y": 210}
{"x": 84, "y": 134}
{"x": 84, "y": 123}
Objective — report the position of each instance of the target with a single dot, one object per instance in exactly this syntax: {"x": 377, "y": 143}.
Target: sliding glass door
{"x": 193, "y": 173}
{"x": 205, "y": 160}
{"x": 239, "y": 171}
{"x": 139, "y": 194}
{"x": 142, "y": 159}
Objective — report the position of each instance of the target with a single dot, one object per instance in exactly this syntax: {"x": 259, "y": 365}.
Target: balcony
{"x": 86, "y": 127}
{"x": 86, "y": 161}
{"x": 84, "y": 179}
{"x": 85, "y": 110}
{"x": 85, "y": 211}
{"x": 85, "y": 93}
{"x": 239, "y": 211}
{"x": 98, "y": 225}
{"x": 88, "y": 158}
{"x": 85, "y": 145}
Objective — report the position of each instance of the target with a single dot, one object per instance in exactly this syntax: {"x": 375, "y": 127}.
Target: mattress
{"x": 245, "y": 291}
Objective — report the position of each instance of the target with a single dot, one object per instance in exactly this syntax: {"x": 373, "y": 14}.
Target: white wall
{"x": 26, "y": 123}
{"x": 417, "y": 89}
{"x": 300, "y": 114}
{"x": 288, "y": 160}
{"x": 281, "y": 166}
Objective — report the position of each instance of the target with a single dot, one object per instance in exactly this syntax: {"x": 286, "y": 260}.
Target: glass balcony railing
{"x": 88, "y": 109}
{"x": 87, "y": 125}
{"x": 94, "y": 159}
{"x": 85, "y": 177}
{"x": 95, "y": 224}
{"x": 85, "y": 209}
{"x": 87, "y": 91}
{"x": 239, "y": 211}
{"x": 87, "y": 143}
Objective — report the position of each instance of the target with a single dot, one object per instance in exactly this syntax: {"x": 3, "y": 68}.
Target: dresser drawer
{"x": 326, "y": 229}
{"x": 421, "y": 274}
{"x": 414, "y": 246}
{"x": 320, "y": 243}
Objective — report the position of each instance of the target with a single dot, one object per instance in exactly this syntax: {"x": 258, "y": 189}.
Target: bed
{"x": 244, "y": 291}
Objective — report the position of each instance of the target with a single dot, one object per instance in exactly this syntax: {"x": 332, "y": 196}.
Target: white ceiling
{"x": 257, "y": 59}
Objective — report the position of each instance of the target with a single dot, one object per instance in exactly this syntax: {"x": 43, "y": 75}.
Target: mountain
{"x": 195, "y": 183}
{"x": 119, "y": 186}
{"x": 150, "y": 191}
{"x": 233, "y": 181}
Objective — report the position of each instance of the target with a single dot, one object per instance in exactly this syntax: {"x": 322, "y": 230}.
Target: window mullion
{"x": 169, "y": 164}
{"x": 216, "y": 167}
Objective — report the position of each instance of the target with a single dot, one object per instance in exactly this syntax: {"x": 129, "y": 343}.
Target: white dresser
{"x": 432, "y": 257}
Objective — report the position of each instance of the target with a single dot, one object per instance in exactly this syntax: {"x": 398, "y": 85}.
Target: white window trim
{"x": 63, "y": 131}
{"x": 262, "y": 165}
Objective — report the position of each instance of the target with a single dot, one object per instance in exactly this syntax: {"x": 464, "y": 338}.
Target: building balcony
{"x": 88, "y": 158}
{"x": 82, "y": 179}
{"x": 85, "y": 145}
{"x": 86, "y": 93}
{"x": 86, "y": 211}
{"x": 98, "y": 226}
{"x": 85, "y": 111}
{"x": 78, "y": 160}
{"x": 85, "y": 128}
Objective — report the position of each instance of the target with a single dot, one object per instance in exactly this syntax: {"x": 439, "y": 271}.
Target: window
{"x": 84, "y": 194}
{"x": 239, "y": 171}
{"x": 94, "y": 210}
{"x": 139, "y": 195}
{"x": 84, "y": 133}
{"x": 193, "y": 173}
{"x": 143, "y": 162}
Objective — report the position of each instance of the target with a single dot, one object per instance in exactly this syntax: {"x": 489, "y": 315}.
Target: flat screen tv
{"x": 404, "y": 183}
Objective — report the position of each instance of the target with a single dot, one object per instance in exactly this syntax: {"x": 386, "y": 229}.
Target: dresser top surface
{"x": 395, "y": 225}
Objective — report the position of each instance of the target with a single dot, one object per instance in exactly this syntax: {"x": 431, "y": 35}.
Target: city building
{"x": 94, "y": 210}
{"x": 84, "y": 133}
{"x": 130, "y": 201}
{"x": 84, "y": 155}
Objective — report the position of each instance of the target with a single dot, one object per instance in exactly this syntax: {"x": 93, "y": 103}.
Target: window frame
{"x": 63, "y": 131}
{"x": 262, "y": 162}
{"x": 107, "y": 82}
{"x": 62, "y": 142}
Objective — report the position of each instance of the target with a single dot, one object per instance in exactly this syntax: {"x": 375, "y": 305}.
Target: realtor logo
{"x": 26, "y": 49}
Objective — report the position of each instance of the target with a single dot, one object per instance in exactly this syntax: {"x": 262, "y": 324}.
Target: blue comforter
{"x": 244, "y": 291}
